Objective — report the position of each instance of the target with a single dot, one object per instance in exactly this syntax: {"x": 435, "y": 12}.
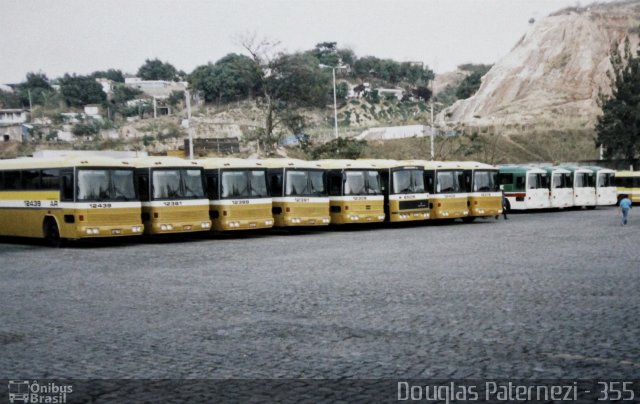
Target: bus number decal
{"x": 359, "y": 198}
{"x": 172, "y": 203}
{"x": 32, "y": 204}
{"x": 100, "y": 205}
{"x": 240, "y": 202}
{"x": 302, "y": 199}
{"x": 53, "y": 204}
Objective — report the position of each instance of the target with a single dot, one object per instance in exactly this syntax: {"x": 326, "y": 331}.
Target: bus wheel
{"x": 468, "y": 219}
{"x": 52, "y": 233}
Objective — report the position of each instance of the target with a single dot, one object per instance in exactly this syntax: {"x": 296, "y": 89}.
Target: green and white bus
{"x": 560, "y": 187}
{"x": 606, "y": 192}
{"x": 525, "y": 187}
{"x": 584, "y": 186}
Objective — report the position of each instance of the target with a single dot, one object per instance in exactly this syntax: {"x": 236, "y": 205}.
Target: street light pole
{"x": 335, "y": 97}
{"x": 335, "y": 102}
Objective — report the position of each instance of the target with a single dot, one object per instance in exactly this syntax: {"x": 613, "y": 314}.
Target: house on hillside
{"x": 107, "y": 85}
{"x": 13, "y": 116}
{"x": 159, "y": 89}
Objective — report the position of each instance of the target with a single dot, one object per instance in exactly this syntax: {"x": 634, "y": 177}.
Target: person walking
{"x": 625, "y": 206}
{"x": 504, "y": 206}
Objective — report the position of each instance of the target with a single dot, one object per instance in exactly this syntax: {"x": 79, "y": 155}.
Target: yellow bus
{"x": 450, "y": 193}
{"x": 406, "y": 198}
{"x": 485, "y": 197}
{"x": 238, "y": 194}
{"x": 298, "y": 191}
{"x": 172, "y": 194}
{"x": 355, "y": 192}
{"x": 628, "y": 183}
{"x": 68, "y": 198}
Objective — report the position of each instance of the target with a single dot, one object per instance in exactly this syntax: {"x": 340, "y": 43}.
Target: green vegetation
{"x": 618, "y": 128}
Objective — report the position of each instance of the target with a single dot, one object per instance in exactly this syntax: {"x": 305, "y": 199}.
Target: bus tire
{"x": 468, "y": 219}
{"x": 52, "y": 232}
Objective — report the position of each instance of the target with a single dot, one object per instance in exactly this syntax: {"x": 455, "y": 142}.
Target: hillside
{"x": 553, "y": 75}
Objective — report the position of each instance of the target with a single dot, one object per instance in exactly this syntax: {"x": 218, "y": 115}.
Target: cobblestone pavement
{"x": 542, "y": 295}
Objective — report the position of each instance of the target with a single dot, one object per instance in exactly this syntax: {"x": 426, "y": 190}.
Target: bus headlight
{"x": 92, "y": 230}
{"x": 466, "y": 212}
{"x": 354, "y": 217}
{"x": 381, "y": 217}
{"x": 234, "y": 224}
{"x": 166, "y": 227}
{"x": 205, "y": 225}
{"x": 295, "y": 220}
{"x": 268, "y": 222}
{"x": 136, "y": 229}
{"x": 425, "y": 214}
{"x": 325, "y": 220}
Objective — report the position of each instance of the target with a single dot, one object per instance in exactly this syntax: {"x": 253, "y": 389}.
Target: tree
{"x": 78, "y": 91}
{"x": 10, "y": 100}
{"x": 618, "y": 128}
{"x": 111, "y": 74}
{"x": 231, "y": 78}
{"x": 37, "y": 87}
{"x": 286, "y": 82}
{"x": 341, "y": 148}
{"x": 157, "y": 70}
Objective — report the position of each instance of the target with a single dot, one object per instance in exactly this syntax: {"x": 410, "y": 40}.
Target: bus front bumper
{"x": 244, "y": 224}
{"x": 307, "y": 221}
{"x": 179, "y": 227}
{"x": 408, "y": 216}
{"x": 90, "y": 231}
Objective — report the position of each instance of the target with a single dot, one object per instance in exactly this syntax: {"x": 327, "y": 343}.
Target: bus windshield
{"x": 305, "y": 183}
{"x": 448, "y": 182}
{"x": 362, "y": 183}
{"x": 485, "y": 181}
{"x": 408, "y": 182}
{"x": 605, "y": 180}
{"x": 244, "y": 184}
{"x": 536, "y": 181}
{"x": 177, "y": 184}
{"x": 583, "y": 180}
{"x": 105, "y": 185}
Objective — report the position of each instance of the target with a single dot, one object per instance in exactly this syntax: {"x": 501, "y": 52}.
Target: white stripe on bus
{"x": 408, "y": 197}
{"x": 176, "y": 202}
{"x": 48, "y": 204}
{"x": 302, "y": 199}
{"x": 357, "y": 198}
{"x": 247, "y": 201}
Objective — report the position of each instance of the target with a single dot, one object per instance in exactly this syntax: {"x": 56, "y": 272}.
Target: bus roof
{"x": 61, "y": 162}
{"x": 162, "y": 161}
{"x": 627, "y": 173}
{"x": 289, "y": 163}
{"x": 555, "y": 169}
{"x": 578, "y": 169}
{"x": 345, "y": 164}
{"x": 515, "y": 169}
{"x": 230, "y": 162}
{"x": 475, "y": 165}
{"x": 597, "y": 169}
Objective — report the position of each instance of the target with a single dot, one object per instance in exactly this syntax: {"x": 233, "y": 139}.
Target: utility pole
{"x": 155, "y": 107}
{"x": 433, "y": 126}
{"x": 335, "y": 103}
{"x": 188, "y": 102}
{"x": 30, "y": 105}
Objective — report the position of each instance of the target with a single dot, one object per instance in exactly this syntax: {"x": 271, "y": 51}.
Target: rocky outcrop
{"x": 554, "y": 74}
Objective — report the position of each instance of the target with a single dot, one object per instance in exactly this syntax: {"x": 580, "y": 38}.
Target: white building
{"x": 12, "y": 116}
{"x": 159, "y": 89}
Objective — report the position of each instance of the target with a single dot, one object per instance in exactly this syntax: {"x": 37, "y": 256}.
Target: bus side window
{"x": 275, "y": 183}
{"x": 335, "y": 184}
{"x": 520, "y": 183}
{"x": 212, "y": 185}
{"x": 66, "y": 188}
{"x": 30, "y": 179}
{"x": 50, "y": 179}
{"x": 142, "y": 182}
{"x": 12, "y": 180}
{"x": 429, "y": 181}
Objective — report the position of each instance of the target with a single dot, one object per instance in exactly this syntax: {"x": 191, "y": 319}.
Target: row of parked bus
{"x": 86, "y": 197}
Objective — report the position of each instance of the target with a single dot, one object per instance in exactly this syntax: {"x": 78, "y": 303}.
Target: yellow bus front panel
{"x": 301, "y": 211}
{"x": 241, "y": 214}
{"x": 408, "y": 208}
{"x": 485, "y": 204}
{"x": 181, "y": 216}
{"x": 357, "y": 209}
{"x": 23, "y": 214}
{"x": 450, "y": 206}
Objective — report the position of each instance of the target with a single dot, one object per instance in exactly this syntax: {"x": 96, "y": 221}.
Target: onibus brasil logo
{"x": 25, "y": 391}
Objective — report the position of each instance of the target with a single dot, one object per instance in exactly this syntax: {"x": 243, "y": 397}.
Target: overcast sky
{"x": 82, "y": 36}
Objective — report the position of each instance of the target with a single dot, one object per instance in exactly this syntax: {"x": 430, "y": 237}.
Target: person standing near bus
{"x": 625, "y": 206}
